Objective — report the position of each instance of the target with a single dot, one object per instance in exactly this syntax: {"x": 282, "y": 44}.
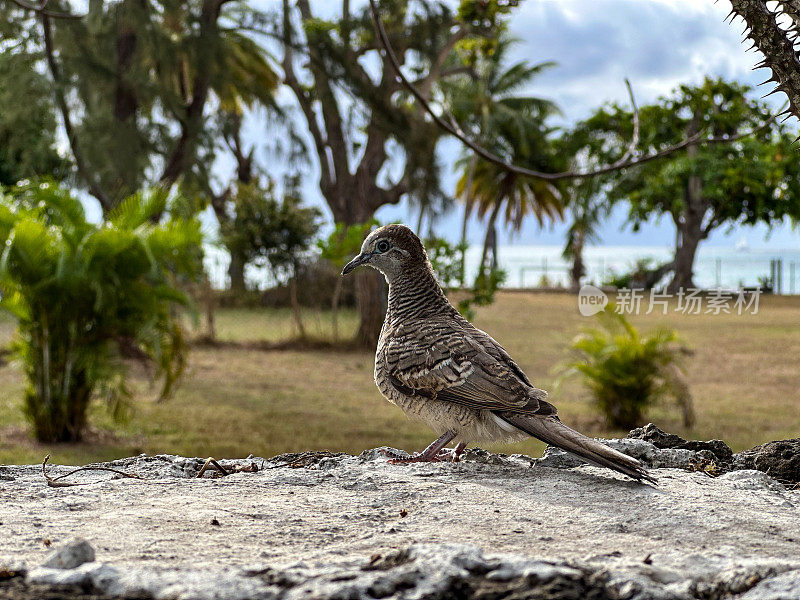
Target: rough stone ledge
{"x": 330, "y": 525}
{"x": 432, "y": 571}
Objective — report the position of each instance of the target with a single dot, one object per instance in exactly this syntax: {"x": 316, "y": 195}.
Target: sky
{"x": 657, "y": 44}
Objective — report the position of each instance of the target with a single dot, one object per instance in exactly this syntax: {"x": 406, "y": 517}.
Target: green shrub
{"x": 482, "y": 292}
{"x": 88, "y": 296}
{"x": 446, "y": 260}
{"x": 627, "y": 372}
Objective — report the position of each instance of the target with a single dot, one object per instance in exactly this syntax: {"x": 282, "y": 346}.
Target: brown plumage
{"x": 440, "y": 369}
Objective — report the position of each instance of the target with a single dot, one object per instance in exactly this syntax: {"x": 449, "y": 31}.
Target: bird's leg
{"x": 452, "y": 455}
{"x": 459, "y": 450}
{"x": 430, "y": 454}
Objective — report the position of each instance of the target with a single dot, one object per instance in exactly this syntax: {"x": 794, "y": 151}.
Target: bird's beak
{"x": 361, "y": 259}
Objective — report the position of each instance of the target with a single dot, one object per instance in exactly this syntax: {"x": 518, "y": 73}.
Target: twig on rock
{"x": 54, "y": 481}
{"x": 303, "y": 459}
{"x": 212, "y": 462}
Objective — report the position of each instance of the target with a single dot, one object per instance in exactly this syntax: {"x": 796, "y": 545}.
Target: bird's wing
{"x": 453, "y": 361}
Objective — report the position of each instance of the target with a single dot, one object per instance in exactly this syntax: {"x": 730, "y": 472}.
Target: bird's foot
{"x": 448, "y": 455}
{"x": 452, "y": 454}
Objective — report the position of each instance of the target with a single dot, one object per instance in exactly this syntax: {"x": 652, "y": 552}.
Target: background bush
{"x": 627, "y": 372}
{"x": 88, "y": 296}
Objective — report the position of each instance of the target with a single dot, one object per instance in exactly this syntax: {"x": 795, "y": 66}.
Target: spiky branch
{"x": 777, "y": 44}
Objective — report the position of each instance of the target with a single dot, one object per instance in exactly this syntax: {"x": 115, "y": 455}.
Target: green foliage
{"x": 88, "y": 296}
{"x": 143, "y": 70}
{"x": 636, "y": 273}
{"x": 446, "y": 260}
{"x": 344, "y": 242}
{"x": 627, "y": 372}
{"x": 617, "y": 280}
{"x": 27, "y": 122}
{"x": 485, "y": 14}
{"x": 482, "y": 292}
{"x": 513, "y": 126}
{"x": 585, "y": 146}
{"x": 756, "y": 179}
{"x": 267, "y": 230}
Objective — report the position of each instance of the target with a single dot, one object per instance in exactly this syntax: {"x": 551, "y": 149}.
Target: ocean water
{"x": 530, "y": 266}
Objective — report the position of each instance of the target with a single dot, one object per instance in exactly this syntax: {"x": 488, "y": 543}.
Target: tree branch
{"x": 330, "y": 108}
{"x": 426, "y": 83}
{"x": 94, "y": 187}
{"x": 191, "y": 120}
{"x": 42, "y": 10}
{"x": 635, "y": 137}
{"x": 327, "y": 177}
{"x": 775, "y": 43}
{"x": 493, "y": 158}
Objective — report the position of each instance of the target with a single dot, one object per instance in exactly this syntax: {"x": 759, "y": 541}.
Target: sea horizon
{"x": 534, "y": 265}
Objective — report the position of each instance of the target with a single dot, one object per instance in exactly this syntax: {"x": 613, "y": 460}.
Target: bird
{"x": 441, "y": 370}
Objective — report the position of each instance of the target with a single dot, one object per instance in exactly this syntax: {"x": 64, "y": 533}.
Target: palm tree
{"x": 587, "y": 211}
{"x": 153, "y": 72}
{"x": 87, "y": 296}
{"x": 488, "y": 189}
{"x": 489, "y": 106}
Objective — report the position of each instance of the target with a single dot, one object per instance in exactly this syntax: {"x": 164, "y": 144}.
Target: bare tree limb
{"x": 434, "y": 73}
{"x": 493, "y": 158}
{"x": 192, "y": 119}
{"x": 327, "y": 176}
{"x": 635, "y": 137}
{"x": 41, "y": 9}
{"x": 334, "y": 124}
{"x": 83, "y": 170}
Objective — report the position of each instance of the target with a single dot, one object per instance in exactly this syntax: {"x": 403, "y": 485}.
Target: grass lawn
{"x": 234, "y": 401}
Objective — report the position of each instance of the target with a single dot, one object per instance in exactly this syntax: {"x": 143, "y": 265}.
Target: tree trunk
{"x": 578, "y": 268}
{"x": 370, "y": 286}
{"x": 467, "y": 212}
{"x": 420, "y": 218}
{"x": 210, "y": 304}
{"x": 337, "y": 294}
{"x": 298, "y": 320}
{"x": 371, "y": 301}
{"x": 689, "y": 224}
{"x": 490, "y": 243}
{"x": 236, "y": 272}
{"x": 691, "y": 233}
{"x": 462, "y": 269}
{"x": 494, "y": 247}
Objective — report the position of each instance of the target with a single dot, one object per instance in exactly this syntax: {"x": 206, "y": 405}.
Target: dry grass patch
{"x": 235, "y": 401}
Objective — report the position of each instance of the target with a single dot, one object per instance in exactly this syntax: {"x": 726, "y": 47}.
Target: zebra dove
{"x": 441, "y": 370}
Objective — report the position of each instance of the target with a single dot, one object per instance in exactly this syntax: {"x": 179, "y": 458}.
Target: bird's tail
{"x": 555, "y": 433}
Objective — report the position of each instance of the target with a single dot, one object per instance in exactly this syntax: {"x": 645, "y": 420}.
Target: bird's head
{"x": 392, "y": 250}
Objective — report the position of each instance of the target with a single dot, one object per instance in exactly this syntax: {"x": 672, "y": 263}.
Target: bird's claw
{"x": 448, "y": 455}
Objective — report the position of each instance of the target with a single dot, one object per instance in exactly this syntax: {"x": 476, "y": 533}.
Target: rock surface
{"x": 71, "y": 555}
{"x": 779, "y": 459}
{"x": 332, "y": 525}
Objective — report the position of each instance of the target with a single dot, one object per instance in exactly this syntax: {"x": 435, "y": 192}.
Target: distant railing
{"x": 773, "y": 276}
{"x": 777, "y": 274}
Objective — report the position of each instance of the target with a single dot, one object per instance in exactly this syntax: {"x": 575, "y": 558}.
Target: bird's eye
{"x": 383, "y": 246}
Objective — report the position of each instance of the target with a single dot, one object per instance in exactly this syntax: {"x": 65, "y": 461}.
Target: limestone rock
{"x": 319, "y": 524}
{"x": 660, "y": 439}
{"x": 70, "y": 555}
{"x": 780, "y": 459}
